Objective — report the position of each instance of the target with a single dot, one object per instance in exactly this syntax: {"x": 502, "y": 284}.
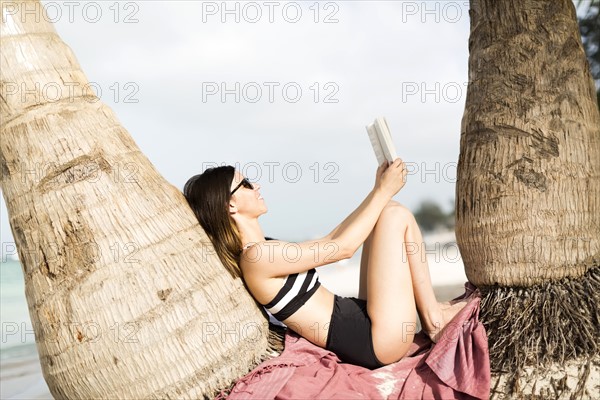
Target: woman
{"x": 372, "y": 330}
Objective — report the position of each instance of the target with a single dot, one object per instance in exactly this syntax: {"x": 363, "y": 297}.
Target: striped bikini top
{"x": 296, "y": 291}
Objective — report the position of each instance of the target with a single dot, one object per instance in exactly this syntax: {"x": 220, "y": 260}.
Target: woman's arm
{"x": 355, "y": 229}
{"x": 282, "y": 258}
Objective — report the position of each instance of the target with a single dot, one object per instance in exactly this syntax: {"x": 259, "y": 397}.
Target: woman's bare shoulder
{"x": 262, "y": 286}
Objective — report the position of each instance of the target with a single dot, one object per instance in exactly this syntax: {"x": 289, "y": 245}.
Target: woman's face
{"x": 248, "y": 202}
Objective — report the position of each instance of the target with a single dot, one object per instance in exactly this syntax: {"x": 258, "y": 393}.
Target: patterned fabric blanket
{"x": 456, "y": 367}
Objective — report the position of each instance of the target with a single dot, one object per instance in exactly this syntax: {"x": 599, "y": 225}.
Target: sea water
{"x": 17, "y": 338}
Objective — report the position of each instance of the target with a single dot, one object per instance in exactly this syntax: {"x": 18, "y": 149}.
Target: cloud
{"x": 370, "y": 58}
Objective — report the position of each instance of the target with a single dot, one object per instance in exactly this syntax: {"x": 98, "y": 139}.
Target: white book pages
{"x": 381, "y": 140}
{"x": 373, "y": 137}
{"x": 386, "y": 139}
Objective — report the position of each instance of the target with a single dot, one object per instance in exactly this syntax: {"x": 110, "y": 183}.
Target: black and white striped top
{"x": 296, "y": 291}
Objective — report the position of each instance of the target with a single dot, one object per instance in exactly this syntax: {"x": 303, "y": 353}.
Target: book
{"x": 381, "y": 140}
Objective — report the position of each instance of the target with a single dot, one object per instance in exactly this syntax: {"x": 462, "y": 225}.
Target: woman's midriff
{"x": 311, "y": 321}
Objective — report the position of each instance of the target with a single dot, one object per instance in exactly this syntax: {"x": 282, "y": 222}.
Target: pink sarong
{"x": 456, "y": 367}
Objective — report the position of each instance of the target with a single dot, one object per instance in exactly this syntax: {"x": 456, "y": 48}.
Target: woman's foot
{"x": 440, "y": 317}
{"x": 450, "y": 303}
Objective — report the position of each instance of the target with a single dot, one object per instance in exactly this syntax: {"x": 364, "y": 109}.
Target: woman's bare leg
{"x": 433, "y": 314}
{"x": 398, "y": 283}
{"x": 364, "y": 267}
{"x": 390, "y": 297}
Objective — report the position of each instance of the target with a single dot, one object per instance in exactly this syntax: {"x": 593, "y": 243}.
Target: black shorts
{"x": 349, "y": 334}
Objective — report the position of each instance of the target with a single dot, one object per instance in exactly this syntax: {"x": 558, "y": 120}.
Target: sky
{"x": 283, "y": 91}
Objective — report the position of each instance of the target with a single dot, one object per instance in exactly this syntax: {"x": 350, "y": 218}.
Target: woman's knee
{"x": 395, "y": 211}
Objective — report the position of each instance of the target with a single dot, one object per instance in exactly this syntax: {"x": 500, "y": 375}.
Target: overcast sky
{"x": 284, "y": 93}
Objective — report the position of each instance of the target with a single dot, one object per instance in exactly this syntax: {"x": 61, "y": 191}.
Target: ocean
{"x": 17, "y": 340}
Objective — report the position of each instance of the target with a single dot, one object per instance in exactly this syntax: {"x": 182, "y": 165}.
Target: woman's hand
{"x": 391, "y": 178}
{"x": 356, "y": 228}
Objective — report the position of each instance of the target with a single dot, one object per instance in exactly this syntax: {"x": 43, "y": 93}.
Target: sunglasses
{"x": 245, "y": 183}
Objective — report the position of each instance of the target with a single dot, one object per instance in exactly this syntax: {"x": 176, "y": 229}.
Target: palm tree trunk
{"x": 528, "y": 187}
{"x": 126, "y": 294}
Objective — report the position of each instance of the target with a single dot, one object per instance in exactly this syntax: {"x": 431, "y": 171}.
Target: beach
{"x": 20, "y": 370}
{"x": 21, "y": 378}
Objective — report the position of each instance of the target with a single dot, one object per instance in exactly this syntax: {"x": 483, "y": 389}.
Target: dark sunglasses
{"x": 246, "y": 183}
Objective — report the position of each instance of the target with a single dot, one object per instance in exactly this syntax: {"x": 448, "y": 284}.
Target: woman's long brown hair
{"x": 208, "y": 195}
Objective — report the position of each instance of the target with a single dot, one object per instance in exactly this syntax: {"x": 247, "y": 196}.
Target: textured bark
{"x": 528, "y": 197}
{"x": 528, "y": 187}
{"x": 126, "y": 295}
